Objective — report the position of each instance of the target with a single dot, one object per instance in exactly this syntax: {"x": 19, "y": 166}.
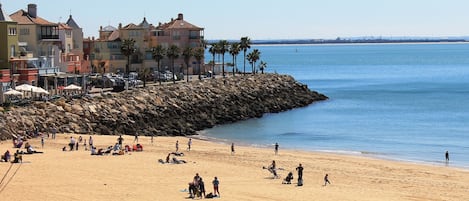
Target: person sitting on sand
{"x": 18, "y": 158}
{"x": 5, "y": 157}
{"x": 93, "y": 151}
{"x": 177, "y": 161}
{"x": 30, "y": 150}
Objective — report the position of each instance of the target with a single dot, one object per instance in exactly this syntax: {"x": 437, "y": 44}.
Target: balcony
{"x": 49, "y": 37}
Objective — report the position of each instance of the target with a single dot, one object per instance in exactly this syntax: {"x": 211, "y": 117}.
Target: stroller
{"x": 288, "y": 179}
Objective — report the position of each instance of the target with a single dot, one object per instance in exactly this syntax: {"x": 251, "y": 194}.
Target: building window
{"x": 176, "y": 35}
{"x": 49, "y": 32}
{"x": 194, "y": 35}
{"x": 12, "y": 31}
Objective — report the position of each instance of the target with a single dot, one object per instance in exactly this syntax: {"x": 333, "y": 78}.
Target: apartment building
{"x": 8, "y": 46}
{"x": 147, "y": 36}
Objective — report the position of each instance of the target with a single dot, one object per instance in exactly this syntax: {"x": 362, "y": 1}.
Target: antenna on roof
{"x": 70, "y": 11}
{"x": 60, "y": 18}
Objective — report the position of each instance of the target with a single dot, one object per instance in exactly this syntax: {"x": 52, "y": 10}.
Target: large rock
{"x": 172, "y": 109}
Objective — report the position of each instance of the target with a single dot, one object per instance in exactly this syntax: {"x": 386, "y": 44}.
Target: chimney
{"x": 32, "y": 10}
{"x": 120, "y": 25}
{"x": 180, "y": 16}
{"x": 100, "y": 28}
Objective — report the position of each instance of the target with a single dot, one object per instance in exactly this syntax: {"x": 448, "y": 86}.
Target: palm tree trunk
{"x": 172, "y": 64}
{"x": 159, "y": 76}
{"x": 187, "y": 71}
{"x": 244, "y": 70}
{"x": 223, "y": 64}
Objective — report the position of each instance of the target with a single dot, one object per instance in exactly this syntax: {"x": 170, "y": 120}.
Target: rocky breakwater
{"x": 168, "y": 109}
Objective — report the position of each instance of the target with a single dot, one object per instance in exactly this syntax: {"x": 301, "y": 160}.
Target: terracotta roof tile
{"x": 22, "y": 17}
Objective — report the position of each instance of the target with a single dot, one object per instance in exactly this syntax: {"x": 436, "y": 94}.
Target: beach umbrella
{"x": 13, "y": 92}
{"x": 24, "y": 87}
{"x": 39, "y": 90}
{"x": 72, "y": 87}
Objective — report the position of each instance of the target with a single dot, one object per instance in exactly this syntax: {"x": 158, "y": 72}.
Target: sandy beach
{"x": 76, "y": 175}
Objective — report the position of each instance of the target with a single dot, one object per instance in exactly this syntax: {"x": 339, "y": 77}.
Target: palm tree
{"x": 102, "y": 65}
{"x": 159, "y": 53}
{"x": 172, "y": 54}
{"x": 213, "y": 50}
{"x": 144, "y": 75}
{"x": 234, "y": 51}
{"x": 250, "y": 58}
{"x": 187, "y": 53}
{"x": 244, "y": 45}
{"x": 199, "y": 55}
{"x": 255, "y": 56}
{"x": 262, "y": 66}
{"x": 222, "y": 49}
{"x": 128, "y": 49}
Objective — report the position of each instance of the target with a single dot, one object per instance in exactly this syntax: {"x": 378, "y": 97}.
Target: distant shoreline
{"x": 349, "y": 41}
{"x": 320, "y": 42}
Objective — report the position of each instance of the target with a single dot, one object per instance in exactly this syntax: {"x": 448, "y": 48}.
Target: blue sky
{"x": 268, "y": 19}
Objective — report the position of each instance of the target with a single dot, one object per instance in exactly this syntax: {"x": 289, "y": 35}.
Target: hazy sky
{"x": 268, "y": 19}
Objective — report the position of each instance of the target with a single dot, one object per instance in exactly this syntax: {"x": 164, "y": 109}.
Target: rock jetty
{"x": 163, "y": 110}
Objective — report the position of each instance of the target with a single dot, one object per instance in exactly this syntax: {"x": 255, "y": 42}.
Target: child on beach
{"x": 215, "y": 183}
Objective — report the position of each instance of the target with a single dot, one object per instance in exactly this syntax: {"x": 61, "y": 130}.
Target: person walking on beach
{"x": 232, "y": 149}
{"x": 177, "y": 145}
{"x": 215, "y": 183}
{"x": 42, "y": 141}
{"x": 136, "y": 137}
{"x": 151, "y": 139}
{"x": 54, "y": 131}
{"x": 447, "y": 156}
{"x": 326, "y": 180}
{"x": 276, "y": 148}
{"x": 90, "y": 141}
{"x": 189, "y": 143}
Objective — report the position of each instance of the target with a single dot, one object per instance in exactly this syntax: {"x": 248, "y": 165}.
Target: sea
{"x": 405, "y": 102}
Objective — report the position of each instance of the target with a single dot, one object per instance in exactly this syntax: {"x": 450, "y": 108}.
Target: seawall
{"x": 164, "y": 110}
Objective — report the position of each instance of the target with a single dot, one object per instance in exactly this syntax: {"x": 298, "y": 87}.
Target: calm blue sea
{"x": 397, "y": 101}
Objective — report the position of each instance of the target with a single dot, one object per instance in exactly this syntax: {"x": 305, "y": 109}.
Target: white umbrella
{"x": 39, "y": 90}
{"x": 13, "y": 92}
{"x": 24, "y": 87}
{"x": 72, "y": 87}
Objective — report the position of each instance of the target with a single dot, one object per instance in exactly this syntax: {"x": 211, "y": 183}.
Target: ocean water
{"x": 396, "y": 101}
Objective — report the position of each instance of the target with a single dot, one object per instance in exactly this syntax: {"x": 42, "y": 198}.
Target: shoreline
{"x": 369, "y": 155}
{"x": 75, "y": 175}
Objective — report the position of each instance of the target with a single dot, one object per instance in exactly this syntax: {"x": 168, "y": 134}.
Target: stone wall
{"x": 169, "y": 109}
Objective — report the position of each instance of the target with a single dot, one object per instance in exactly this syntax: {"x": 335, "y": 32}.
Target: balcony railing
{"x": 49, "y": 37}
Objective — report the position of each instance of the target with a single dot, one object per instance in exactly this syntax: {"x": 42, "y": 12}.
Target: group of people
{"x": 272, "y": 168}
{"x": 197, "y": 188}
{"x": 17, "y": 157}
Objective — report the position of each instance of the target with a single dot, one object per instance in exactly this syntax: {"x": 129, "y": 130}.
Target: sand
{"x": 76, "y": 175}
